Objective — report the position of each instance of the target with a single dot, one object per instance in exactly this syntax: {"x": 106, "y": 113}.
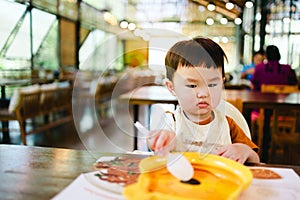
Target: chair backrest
{"x": 234, "y": 113}
{"x": 63, "y": 98}
{"x": 237, "y": 102}
{"x": 29, "y": 104}
{"x": 267, "y": 88}
{"x": 283, "y": 119}
{"x": 47, "y": 99}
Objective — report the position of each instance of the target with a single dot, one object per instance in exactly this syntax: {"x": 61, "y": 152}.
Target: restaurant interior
{"x": 102, "y": 49}
{"x": 77, "y": 74}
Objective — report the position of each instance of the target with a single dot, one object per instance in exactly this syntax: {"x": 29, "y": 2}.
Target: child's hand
{"x": 238, "y": 152}
{"x": 162, "y": 141}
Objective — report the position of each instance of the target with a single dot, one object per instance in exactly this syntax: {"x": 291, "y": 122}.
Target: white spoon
{"x": 177, "y": 164}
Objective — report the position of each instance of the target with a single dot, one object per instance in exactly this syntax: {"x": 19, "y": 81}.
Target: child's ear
{"x": 170, "y": 86}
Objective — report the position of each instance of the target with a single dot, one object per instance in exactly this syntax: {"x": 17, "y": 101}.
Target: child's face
{"x": 198, "y": 90}
{"x": 258, "y": 58}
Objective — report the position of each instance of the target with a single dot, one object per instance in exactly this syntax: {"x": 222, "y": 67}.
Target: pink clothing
{"x": 275, "y": 73}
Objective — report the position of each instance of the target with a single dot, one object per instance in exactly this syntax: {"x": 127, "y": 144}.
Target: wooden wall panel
{"x": 67, "y": 43}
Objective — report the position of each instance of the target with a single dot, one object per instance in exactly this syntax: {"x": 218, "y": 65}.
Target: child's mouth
{"x": 202, "y": 105}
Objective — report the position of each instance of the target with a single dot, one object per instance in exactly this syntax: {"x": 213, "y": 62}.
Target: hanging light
{"x": 229, "y": 5}
{"x": 123, "y": 24}
{"x": 258, "y": 16}
{"x": 131, "y": 26}
{"x": 238, "y": 21}
{"x": 211, "y": 7}
{"x": 223, "y": 20}
{"x": 216, "y": 39}
{"x": 249, "y": 4}
{"x": 210, "y": 21}
{"x": 109, "y": 18}
{"x": 225, "y": 39}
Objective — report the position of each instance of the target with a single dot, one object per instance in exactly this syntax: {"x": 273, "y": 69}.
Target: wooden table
{"x": 39, "y": 173}
{"x": 20, "y": 82}
{"x": 5, "y": 82}
{"x": 36, "y": 173}
{"x": 268, "y": 102}
{"x": 148, "y": 95}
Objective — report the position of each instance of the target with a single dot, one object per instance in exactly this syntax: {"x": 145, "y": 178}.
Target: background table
{"x": 268, "y": 102}
{"x": 148, "y": 95}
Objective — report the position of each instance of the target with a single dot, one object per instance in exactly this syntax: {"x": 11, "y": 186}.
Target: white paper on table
{"x": 86, "y": 187}
{"x": 286, "y": 188}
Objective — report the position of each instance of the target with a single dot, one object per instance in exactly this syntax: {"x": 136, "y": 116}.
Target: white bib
{"x": 201, "y": 138}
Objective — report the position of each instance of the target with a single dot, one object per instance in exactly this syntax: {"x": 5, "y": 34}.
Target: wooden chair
{"x": 103, "y": 95}
{"x": 5, "y": 117}
{"x": 47, "y": 102}
{"x": 28, "y": 107}
{"x": 24, "y": 104}
{"x": 285, "y": 138}
{"x": 237, "y": 102}
{"x": 281, "y": 121}
{"x": 63, "y": 99}
{"x": 291, "y": 153}
{"x": 36, "y": 101}
{"x": 279, "y": 89}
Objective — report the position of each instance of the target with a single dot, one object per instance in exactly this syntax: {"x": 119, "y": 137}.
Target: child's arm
{"x": 239, "y": 152}
{"x": 242, "y": 148}
{"x": 162, "y": 141}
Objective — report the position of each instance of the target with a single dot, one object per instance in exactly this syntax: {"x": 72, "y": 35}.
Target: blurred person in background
{"x": 248, "y": 70}
{"x": 272, "y": 72}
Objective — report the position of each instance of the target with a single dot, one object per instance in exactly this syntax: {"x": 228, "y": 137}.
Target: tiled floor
{"x": 112, "y": 133}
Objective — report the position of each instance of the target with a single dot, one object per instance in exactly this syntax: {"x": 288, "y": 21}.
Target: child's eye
{"x": 212, "y": 85}
{"x": 191, "y": 85}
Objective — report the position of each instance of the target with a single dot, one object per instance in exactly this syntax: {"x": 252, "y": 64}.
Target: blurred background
{"x": 91, "y": 46}
{"x": 39, "y": 37}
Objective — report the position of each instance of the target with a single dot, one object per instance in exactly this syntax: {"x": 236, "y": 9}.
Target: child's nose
{"x": 202, "y": 92}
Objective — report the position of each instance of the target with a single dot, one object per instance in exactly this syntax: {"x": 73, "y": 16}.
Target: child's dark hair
{"x": 197, "y": 52}
{"x": 259, "y": 52}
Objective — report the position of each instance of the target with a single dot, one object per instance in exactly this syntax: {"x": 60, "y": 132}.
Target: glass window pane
{"x": 101, "y": 51}
{"x": 41, "y": 23}
{"x": 20, "y": 47}
{"x": 89, "y": 51}
{"x": 9, "y": 16}
{"x": 295, "y": 52}
{"x": 47, "y": 54}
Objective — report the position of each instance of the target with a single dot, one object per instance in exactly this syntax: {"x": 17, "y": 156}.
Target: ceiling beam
{"x": 220, "y": 8}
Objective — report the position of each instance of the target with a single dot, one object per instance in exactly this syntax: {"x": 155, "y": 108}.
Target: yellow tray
{"x": 220, "y": 178}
